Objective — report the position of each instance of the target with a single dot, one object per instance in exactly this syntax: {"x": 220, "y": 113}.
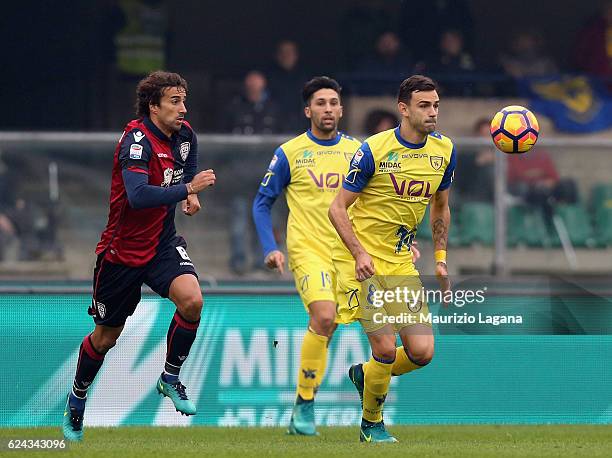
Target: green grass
{"x": 420, "y": 441}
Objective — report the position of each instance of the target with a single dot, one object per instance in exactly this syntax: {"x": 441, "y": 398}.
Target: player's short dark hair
{"x": 151, "y": 89}
{"x": 413, "y": 84}
{"x": 319, "y": 82}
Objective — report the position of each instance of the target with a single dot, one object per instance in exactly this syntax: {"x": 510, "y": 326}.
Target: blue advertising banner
{"x": 242, "y": 369}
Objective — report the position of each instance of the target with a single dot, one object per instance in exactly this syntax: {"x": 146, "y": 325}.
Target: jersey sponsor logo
{"x": 162, "y": 155}
{"x": 177, "y": 176}
{"x": 167, "y": 177}
{"x": 415, "y": 155}
{"x": 392, "y": 156}
{"x": 138, "y": 136}
{"x": 328, "y": 153}
{"x": 436, "y": 162}
{"x": 412, "y": 188}
{"x": 307, "y": 160}
{"x": 135, "y": 151}
{"x": 184, "y": 150}
{"x": 330, "y": 180}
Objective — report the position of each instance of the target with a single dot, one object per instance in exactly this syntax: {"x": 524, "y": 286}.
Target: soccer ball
{"x": 514, "y": 129}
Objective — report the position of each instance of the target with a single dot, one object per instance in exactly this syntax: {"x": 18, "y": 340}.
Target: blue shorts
{"x": 116, "y": 287}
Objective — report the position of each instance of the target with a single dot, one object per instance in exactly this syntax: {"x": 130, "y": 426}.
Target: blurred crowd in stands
{"x": 268, "y": 101}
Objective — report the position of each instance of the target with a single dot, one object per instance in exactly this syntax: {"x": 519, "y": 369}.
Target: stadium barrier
{"x": 554, "y": 368}
{"x": 64, "y": 177}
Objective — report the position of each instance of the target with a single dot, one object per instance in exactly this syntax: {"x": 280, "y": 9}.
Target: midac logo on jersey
{"x": 391, "y": 162}
{"x": 392, "y": 156}
{"x": 307, "y": 160}
{"x": 436, "y": 162}
{"x": 135, "y": 151}
{"x": 138, "y": 136}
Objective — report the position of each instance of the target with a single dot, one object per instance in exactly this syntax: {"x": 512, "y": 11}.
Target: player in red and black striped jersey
{"x": 154, "y": 168}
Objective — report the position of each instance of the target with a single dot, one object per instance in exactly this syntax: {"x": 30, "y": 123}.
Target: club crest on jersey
{"x": 436, "y": 162}
{"x": 184, "y": 150}
{"x": 138, "y": 136}
{"x": 135, "y": 151}
{"x": 167, "y": 177}
{"x": 348, "y": 156}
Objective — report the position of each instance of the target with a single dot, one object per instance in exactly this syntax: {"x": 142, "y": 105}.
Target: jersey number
{"x": 405, "y": 236}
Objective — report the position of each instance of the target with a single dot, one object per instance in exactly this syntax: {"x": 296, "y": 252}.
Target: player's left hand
{"x": 191, "y": 205}
{"x": 445, "y": 285}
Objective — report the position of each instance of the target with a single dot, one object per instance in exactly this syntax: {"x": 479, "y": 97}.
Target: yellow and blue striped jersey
{"x": 311, "y": 172}
{"x": 396, "y": 180}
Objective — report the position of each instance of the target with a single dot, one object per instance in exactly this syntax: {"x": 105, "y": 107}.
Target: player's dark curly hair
{"x": 413, "y": 84}
{"x": 151, "y": 89}
{"x": 319, "y": 82}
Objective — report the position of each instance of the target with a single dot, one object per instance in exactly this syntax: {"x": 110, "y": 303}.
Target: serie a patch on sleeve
{"x": 135, "y": 151}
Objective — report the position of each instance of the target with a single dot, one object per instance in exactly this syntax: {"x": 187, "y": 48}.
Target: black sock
{"x": 90, "y": 362}
{"x": 181, "y": 335}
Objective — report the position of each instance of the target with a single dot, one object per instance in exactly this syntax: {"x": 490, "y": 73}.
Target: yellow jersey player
{"x": 309, "y": 169}
{"x": 391, "y": 180}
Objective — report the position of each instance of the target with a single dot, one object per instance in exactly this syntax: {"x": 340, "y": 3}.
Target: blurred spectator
{"x": 527, "y": 57}
{"x": 453, "y": 60}
{"x": 22, "y": 218}
{"x": 593, "y": 49}
{"x": 421, "y": 23}
{"x": 389, "y": 59}
{"x": 252, "y": 112}
{"x": 476, "y": 180}
{"x": 286, "y": 80}
{"x": 379, "y": 120}
{"x": 534, "y": 178}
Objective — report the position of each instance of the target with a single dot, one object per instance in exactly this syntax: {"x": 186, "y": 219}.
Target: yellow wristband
{"x": 440, "y": 256}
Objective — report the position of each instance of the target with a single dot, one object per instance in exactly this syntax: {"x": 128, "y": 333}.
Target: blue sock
{"x": 169, "y": 378}
{"x": 76, "y": 402}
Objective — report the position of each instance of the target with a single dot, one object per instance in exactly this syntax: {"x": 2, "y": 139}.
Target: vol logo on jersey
{"x": 414, "y": 188}
{"x": 330, "y": 180}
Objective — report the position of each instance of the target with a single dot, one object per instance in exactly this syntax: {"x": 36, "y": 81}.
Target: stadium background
{"x": 69, "y": 90}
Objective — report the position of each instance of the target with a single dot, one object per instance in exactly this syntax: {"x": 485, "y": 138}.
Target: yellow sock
{"x": 322, "y": 368}
{"x": 402, "y": 364}
{"x": 312, "y": 364}
{"x": 376, "y": 386}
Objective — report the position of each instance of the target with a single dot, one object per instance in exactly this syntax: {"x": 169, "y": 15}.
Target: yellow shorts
{"x": 404, "y": 305}
{"x": 315, "y": 281}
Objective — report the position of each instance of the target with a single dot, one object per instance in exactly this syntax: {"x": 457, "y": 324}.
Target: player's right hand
{"x": 364, "y": 267}
{"x": 275, "y": 260}
{"x": 203, "y": 180}
{"x": 445, "y": 285}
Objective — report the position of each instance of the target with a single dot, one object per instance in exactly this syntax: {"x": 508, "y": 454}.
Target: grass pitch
{"x": 421, "y": 441}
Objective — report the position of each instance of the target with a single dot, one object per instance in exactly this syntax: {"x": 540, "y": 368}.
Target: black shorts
{"x": 116, "y": 287}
